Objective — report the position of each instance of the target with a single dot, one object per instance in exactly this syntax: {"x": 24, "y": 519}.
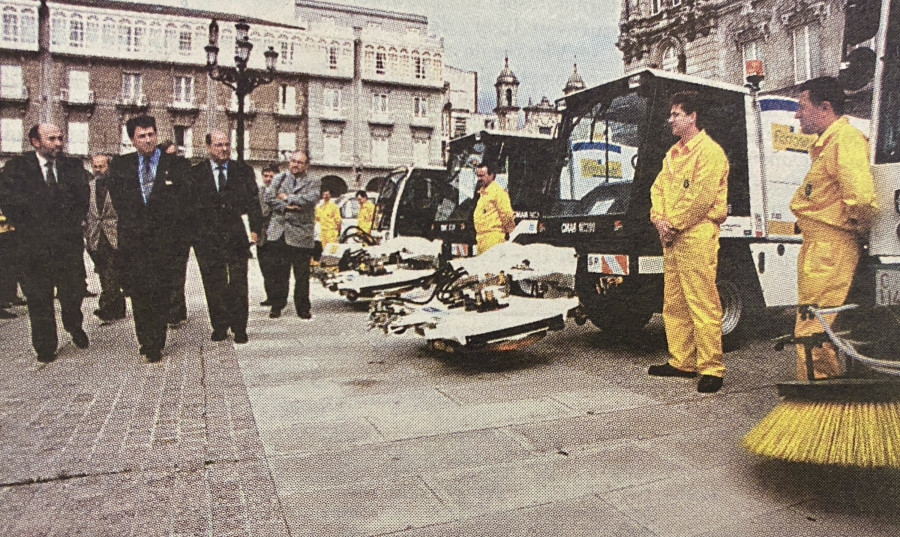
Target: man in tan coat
{"x": 102, "y": 242}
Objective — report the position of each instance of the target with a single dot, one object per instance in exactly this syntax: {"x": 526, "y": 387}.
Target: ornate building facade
{"x": 795, "y": 39}
{"x": 361, "y": 90}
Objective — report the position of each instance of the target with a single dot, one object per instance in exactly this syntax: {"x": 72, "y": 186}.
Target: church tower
{"x": 507, "y": 109}
{"x": 575, "y": 82}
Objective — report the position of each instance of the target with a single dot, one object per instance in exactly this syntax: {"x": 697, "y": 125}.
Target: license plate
{"x": 887, "y": 287}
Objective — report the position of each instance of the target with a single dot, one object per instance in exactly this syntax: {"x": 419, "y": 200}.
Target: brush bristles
{"x": 843, "y": 433}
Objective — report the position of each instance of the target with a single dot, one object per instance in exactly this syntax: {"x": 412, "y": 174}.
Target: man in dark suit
{"x": 224, "y": 190}
{"x": 44, "y": 194}
{"x": 150, "y": 191}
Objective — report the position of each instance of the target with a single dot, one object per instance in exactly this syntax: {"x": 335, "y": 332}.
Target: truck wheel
{"x": 734, "y": 313}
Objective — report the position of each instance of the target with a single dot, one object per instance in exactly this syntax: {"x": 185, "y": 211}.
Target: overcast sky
{"x": 542, "y": 37}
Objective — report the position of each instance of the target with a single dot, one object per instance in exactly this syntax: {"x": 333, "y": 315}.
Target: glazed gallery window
{"x": 380, "y": 61}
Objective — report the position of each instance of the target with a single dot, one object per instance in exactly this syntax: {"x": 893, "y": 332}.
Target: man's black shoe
{"x": 153, "y": 355}
{"x": 275, "y": 313}
{"x": 240, "y": 336}
{"x": 709, "y": 384}
{"x": 266, "y": 302}
{"x": 7, "y": 314}
{"x": 305, "y": 315}
{"x": 666, "y": 370}
{"x": 79, "y": 338}
{"x": 45, "y": 357}
{"x": 219, "y": 335}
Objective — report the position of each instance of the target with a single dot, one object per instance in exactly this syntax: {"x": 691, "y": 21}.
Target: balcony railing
{"x": 287, "y": 111}
{"x": 381, "y": 118}
{"x": 183, "y": 106}
{"x": 421, "y": 121}
{"x": 133, "y": 101}
{"x": 14, "y": 94}
{"x": 76, "y": 98}
{"x": 249, "y": 108}
{"x": 333, "y": 114}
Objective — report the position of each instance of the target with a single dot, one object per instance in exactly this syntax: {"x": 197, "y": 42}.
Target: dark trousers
{"x": 45, "y": 268}
{"x": 177, "y": 303}
{"x": 106, "y": 265}
{"x": 266, "y": 259}
{"x": 150, "y": 290}
{"x": 9, "y": 267}
{"x": 285, "y": 258}
{"x": 225, "y": 284}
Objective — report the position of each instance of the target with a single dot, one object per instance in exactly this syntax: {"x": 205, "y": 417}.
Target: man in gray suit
{"x": 292, "y": 196}
{"x": 263, "y": 252}
{"x": 102, "y": 242}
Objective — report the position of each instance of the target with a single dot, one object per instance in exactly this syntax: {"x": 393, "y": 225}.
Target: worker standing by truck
{"x": 834, "y": 207}
{"x": 494, "y": 218}
{"x": 689, "y": 203}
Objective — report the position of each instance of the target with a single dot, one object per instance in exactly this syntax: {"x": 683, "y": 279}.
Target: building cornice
{"x": 689, "y": 20}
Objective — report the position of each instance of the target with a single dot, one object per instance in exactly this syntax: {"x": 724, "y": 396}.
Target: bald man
{"x": 225, "y": 190}
{"x": 45, "y": 195}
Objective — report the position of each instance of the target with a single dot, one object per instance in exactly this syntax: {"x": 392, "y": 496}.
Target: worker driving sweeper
{"x": 834, "y": 207}
{"x": 494, "y": 217}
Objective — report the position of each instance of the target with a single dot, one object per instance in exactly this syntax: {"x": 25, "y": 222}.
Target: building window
{"x": 380, "y": 150}
{"x": 183, "y": 136}
{"x": 140, "y": 37}
{"x": 10, "y": 25}
{"x": 287, "y": 144}
{"x": 806, "y": 53}
{"x": 76, "y": 32}
{"x": 126, "y": 37}
{"x": 287, "y": 52}
{"x": 287, "y": 99}
{"x": 420, "y": 152}
{"x": 79, "y": 87}
{"x": 332, "y": 101}
{"x": 171, "y": 39}
{"x": 380, "y": 61}
{"x": 459, "y": 127}
{"x": 109, "y": 34}
{"x": 92, "y": 31}
{"x": 234, "y": 153}
{"x": 78, "y": 138}
{"x": 184, "y": 90}
{"x": 11, "y": 135}
{"x": 380, "y": 104}
{"x": 333, "y": 57}
{"x": 132, "y": 88}
{"x": 545, "y": 130}
{"x": 655, "y": 6}
{"x": 184, "y": 42}
{"x": 670, "y": 60}
{"x": 331, "y": 148}
{"x": 750, "y": 51}
{"x": 420, "y": 107}
{"x": 11, "y": 81}
{"x": 126, "y": 146}
{"x": 419, "y": 68}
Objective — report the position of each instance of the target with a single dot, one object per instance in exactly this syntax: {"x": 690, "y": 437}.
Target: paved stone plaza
{"x": 321, "y": 428}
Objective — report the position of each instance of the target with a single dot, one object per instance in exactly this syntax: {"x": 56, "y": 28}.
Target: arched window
{"x": 380, "y": 61}
{"x": 171, "y": 40}
{"x": 404, "y": 64}
{"x": 185, "y": 40}
{"x": 109, "y": 34}
{"x": 333, "y": 52}
{"x": 140, "y": 36}
{"x": 670, "y": 59}
{"x": 92, "y": 31}
{"x": 28, "y": 26}
{"x": 60, "y": 30}
{"x": 509, "y": 97}
{"x": 76, "y": 31}
{"x": 126, "y": 36}
{"x": 393, "y": 66}
{"x": 156, "y": 35}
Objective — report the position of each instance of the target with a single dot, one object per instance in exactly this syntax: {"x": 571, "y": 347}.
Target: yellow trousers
{"x": 691, "y": 309}
{"x": 328, "y": 236}
{"x": 825, "y": 269}
{"x": 488, "y": 240}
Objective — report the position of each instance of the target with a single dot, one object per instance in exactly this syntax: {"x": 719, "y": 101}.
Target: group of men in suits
{"x": 159, "y": 204}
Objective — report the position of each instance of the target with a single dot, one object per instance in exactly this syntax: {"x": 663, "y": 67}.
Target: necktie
{"x": 146, "y": 180}
{"x": 221, "y": 178}
{"x": 51, "y": 176}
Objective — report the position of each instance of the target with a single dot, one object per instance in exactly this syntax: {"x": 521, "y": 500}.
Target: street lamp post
{"x": 238, "y": 78}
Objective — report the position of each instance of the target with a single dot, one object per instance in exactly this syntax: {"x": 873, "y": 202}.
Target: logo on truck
{"x": 785, "y": 139}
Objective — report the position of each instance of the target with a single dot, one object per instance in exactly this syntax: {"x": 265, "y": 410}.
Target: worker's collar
{"x": 826, "y": 134}
{"x": 684, "y": 149}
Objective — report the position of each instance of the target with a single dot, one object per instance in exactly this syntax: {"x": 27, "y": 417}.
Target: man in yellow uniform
{"x": 494, "y": 217}
{"x": 834, "y": 208}
{"x": 366, "y": 215}
{"x": 689, "y": 203}
{"x": 329, "y": 218}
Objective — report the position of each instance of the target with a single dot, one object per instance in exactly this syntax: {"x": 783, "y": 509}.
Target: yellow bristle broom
{"x": 843, "y": 422}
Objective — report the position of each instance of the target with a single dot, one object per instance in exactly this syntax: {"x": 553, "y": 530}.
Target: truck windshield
{"x": 384, "y": 209}
{"x": 597, "y": 173}
{"x": 458, "y": 198}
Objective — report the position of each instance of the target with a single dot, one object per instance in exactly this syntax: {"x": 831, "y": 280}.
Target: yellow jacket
{"x": 493, "y": 212}
{"x": 838, "y": 189}
{"x": 329, "y": 218}
{"x": 365, "y": 217}
{"x": 692, "y": 186}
